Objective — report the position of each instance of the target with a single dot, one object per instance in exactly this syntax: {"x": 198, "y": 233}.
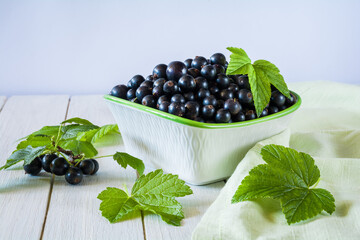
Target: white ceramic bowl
{"x": 199, "y": 153}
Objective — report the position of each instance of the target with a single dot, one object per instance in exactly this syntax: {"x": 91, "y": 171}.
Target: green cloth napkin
{"x": 327, "y": 126}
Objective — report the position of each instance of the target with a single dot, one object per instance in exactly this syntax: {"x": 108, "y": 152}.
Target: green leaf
{"x": 79, "y": 147}
{"x": 125, "y": 159}
{"x": 238, "y": 60}
{"x": 47, "y": 131}
{"x": 77, "y": 120}
{"x": 71, "y": 131}
{"x": 157, "y": 182}
{"x": 154, "y": 192}
{"x": 95, "y": 135}
{"x": 261, "y": 75}
{"x": 269, "y": 71}
{"x": 116, "y": 204}
{"x": 288, "y": 176}
{"x": 35, "y": 141}
{"x": 27, "y": 155}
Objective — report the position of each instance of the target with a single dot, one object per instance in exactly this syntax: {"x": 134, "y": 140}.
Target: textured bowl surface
{"x": 199, "y": 153}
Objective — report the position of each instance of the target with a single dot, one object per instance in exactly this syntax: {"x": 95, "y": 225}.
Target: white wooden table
{"x": 46, "y": 207}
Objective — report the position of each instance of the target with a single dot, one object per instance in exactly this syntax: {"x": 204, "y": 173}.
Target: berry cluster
{"x": 59, "y": 166}
{"x": 199, "y": 89}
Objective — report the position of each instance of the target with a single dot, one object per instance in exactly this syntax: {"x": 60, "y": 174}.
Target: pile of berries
{"x": 59, "y": 166}
{"x": 199, "y": 89}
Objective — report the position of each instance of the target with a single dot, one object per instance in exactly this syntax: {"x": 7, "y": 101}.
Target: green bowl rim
{"x": 192, "y": 123}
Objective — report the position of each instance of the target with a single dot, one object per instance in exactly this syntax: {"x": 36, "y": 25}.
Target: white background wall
{"x": 88, "y": 46}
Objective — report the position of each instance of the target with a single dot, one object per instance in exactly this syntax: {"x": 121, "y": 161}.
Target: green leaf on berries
{"x": 79, "y": 147}
{"x": 27, "y": 155}
{"x": 46, "y": 131}
{"x": 125, "y": 159}
{"x": 35, "y": 141}
{"x": 71, "y": 131}
{"x": 77, "y": 120}
{"x": 95, "y": 135}
{"x": 154, "y": 192}
{"x": 287, "y": 176}
{"x": 261, "y": 75}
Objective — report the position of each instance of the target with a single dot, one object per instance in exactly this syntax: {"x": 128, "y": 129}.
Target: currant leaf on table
{"x": 289, "y": 176}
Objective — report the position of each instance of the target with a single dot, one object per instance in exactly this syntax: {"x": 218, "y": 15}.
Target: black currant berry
{"x": 59, "y": 166}
{"x": 233, "y": 87}
{"x": 264, "y": 113}
{"x": 273, "y": 109}
{"x": 142, "y": 92}
{"x": 277, "y": 98}
{"x": 214, "y": 90}
{"x": 240, "y": 117}
{"x": 119, "y": 91}
{"x": 226, "y": 94}
{"x": 222, "y": 116}
{"x": 245, "y": 96}
{"x": 73, "y": 175}
{"x": 34, "y": 167}
{"x": 159, "y": 82}
{"x": 218, "y": 58}
{"x": 210, "y": 100}
{"x": 150, "y": 78}
{"x": 290, "y": 101}
{"x": 131, "y": 93}
{"x": 202, "y": 93}
{"x": 222, "y": 81}
{"x": 158, "y": 91}
{"x": 188, "y": 62}
{"x": 242, "y": 81}
{"x": 170, "y": 88}
{"x": 250, "y": 114}
{"x": 148, "y": 84}
{"x": 136, "y": 81}
{"x": 208, "y": 72}
{"x": 233, "y": 106}
{"x": 46, "y": 161}
{"x": 187, "y": 83}
{"x": 160, "y": 71}
{"x": 189, "y": 96}
{"x": 192, "y": 109}
{"x": 198, "y": 62}
{"x": 175, "y": 70}
{"x": 208, "y": 111}
{"x": 149, "y": 100}
{"x": 201, "y": 82}
{"x": 87, "y": 166}
{"x": 164, "y": 106}
{"x": 283, "y": 107}
{"x": 177, "y": 109}
{"x": 96, "y": 166}
{"x": 178, "y": 98}
{"x": 219, "y": 68}
{"x": 163, "y": 98}
{"x": 193, "y": 72}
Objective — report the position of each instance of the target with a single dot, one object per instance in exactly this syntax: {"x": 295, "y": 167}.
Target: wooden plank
{"x": 74, "y": 210}
{"x": 23, "y": 198}
{"x": 194, "y": 207}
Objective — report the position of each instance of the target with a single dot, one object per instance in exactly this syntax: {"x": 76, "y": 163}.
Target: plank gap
{"x": 3, "y": 105}
{"x": 143, "y": 223}
{"x": 47, "y": 205}
{"x": 52, "y": 185}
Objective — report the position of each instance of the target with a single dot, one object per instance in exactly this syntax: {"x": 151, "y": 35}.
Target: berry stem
{"x": 105, "y": 156}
